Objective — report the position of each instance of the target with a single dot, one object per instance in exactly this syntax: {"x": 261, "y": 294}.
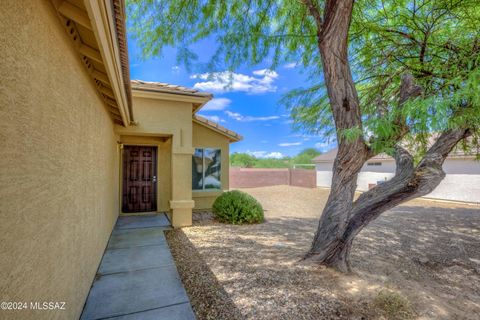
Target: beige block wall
{"x": 58, "y": 169}
{"x": 207, "y": 138}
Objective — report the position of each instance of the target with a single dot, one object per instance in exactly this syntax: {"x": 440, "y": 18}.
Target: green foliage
{"x": 437, "y": 41}
{"x": 237, "y": 207}
{"x": 245, "y": 160}
{"x": 350, "y": 134}
{"x": 247, "y": 31}
{"x": 272, "y": 163}
{"x": 306, "y": 156}
{"x": 393, "y": 306}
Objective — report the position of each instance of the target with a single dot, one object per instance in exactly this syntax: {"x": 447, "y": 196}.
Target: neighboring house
{"x": 81, "y": 144}
{"x": 461, "y": 183}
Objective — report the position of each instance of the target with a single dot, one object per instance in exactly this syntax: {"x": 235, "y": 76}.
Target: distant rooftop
{"x": 330, "y": 155}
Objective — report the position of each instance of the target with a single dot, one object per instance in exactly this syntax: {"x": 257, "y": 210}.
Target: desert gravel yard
{"x": 418, "y": 261}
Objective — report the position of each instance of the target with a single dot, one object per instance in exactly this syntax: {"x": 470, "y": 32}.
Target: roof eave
{"x": 231, "y": 138}
{"x": 102, "y": 19}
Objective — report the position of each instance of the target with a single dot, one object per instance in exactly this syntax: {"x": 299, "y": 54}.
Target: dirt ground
{"x": 420, "y": 260}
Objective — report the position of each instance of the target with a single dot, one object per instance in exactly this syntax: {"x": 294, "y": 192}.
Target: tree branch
{"x": 408, "y": 90}
{"x": 447, "y": 141}
{"x": 315, "y": 13}
{"x": 408, "y": 182}
{"x": 403, "y": 34}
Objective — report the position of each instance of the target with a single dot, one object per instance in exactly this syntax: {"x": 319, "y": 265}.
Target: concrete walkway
{"x": 137, "y": 278}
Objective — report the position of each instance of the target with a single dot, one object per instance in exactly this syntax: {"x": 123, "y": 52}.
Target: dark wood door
{"x": 139, "y": 179}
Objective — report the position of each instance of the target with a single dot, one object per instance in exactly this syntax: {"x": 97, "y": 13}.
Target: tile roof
{"x": 216, "y": 127}
{"x": 167, "y": 88}
{"x": 176, "y": 89}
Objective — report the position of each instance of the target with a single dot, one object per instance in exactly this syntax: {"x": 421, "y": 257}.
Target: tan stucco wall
{"x": 172, "y": 119}
{"x": 58, "y": 168}
{"x": 207, "y": 138}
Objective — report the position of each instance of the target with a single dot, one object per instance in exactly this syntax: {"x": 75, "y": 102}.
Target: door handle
{"x": 154, "y": 178}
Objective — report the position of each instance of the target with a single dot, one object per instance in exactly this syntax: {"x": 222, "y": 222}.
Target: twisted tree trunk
{"x": 333, "y": 239}
{"x": 343, "y": 218}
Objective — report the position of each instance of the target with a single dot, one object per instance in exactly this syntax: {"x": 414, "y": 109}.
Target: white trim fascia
{"x": 170, "y": 96}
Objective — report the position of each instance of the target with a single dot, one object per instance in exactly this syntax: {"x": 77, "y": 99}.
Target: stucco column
{"x": 181, "y": 204}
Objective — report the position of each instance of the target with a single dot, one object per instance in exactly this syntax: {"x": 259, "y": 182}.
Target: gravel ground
{"x": 207, "y": 296}
{"x": 420, "y": 260}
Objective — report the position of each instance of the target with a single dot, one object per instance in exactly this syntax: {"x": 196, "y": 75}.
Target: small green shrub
{"x": 237, "y": 207}
{"x": 393, "y": 305}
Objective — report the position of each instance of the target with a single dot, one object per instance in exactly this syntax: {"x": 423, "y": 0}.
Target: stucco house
{"x": 82, "y": 144}
{"x": 461, "y": 183}
{"x": 181, "y": 158}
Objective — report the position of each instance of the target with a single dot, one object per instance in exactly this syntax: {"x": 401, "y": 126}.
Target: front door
{"x": 139, "y": 179}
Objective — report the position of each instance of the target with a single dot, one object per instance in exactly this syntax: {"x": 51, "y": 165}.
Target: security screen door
{"x": 139, "y": 179}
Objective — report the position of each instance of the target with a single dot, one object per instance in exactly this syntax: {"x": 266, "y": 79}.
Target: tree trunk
{"x": 341, "y": 221}
{"x": 343, "y": 218}
{"x": 333, "y": 46}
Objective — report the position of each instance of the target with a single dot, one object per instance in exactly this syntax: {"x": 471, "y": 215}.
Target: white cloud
{"x": 276, "y": 155}
{"x": 176, "y": 69}
{"x": 261, "y": 81}
{"x": 301, "y": 135}
{"x": 266, "y": 154}
{"x": 212, "y": 118}
{"x": 217, "y": 104}
{"x": 265, "y": 72}
{"x": 324, "y": 146}
{"x": 290, "y": 65}
{"x": 289, "y": 144}
{"x": 239, "y": 117}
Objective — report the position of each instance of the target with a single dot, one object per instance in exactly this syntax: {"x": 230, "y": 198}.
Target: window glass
{"x": 206, "y": 169}
{"x": 197, "y": 169}
{"x": 212, "y": 163}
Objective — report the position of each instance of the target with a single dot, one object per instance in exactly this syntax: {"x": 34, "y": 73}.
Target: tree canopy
{"x": 437, "y": 41}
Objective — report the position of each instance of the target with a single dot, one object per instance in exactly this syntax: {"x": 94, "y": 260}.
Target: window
{"x": 206, "y": 168}
{"x": 374, "y": 163}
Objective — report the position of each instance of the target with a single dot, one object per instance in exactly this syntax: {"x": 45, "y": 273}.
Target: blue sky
{"x": 249, "y": 105}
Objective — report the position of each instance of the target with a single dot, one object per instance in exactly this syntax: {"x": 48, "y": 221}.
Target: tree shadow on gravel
{"x": 430, "y": 253}
{"x": 208, "y": 297}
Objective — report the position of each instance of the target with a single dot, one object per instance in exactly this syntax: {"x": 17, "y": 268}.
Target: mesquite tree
{"x": 399, "y": 77}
